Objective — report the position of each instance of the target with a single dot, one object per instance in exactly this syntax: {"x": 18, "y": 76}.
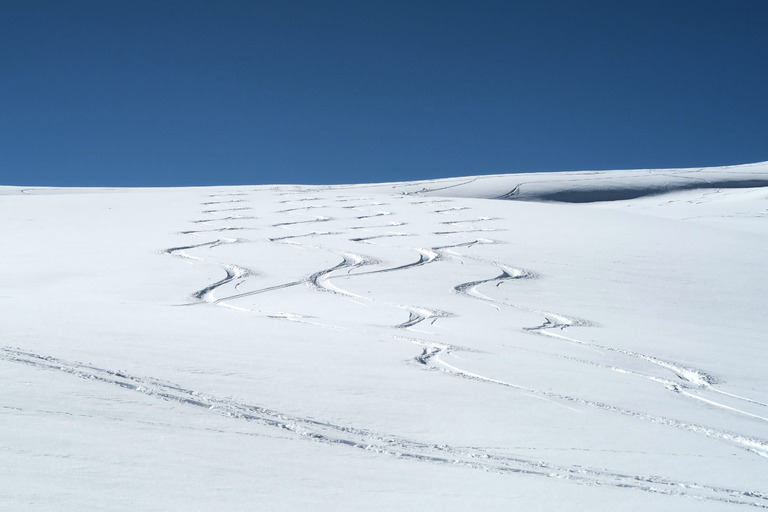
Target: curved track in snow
{"x": 686, "y": 381}
{"x": 384, "y": 444}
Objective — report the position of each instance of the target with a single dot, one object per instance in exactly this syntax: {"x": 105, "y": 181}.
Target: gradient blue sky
{"x": 159, "y": 93}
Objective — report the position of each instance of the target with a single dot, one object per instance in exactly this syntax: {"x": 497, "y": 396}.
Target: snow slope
{"x": 596, "y": 341}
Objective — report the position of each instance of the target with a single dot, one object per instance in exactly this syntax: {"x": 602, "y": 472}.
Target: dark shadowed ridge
{"x": 593, "y": 195}
{"x": 596, "y": 186}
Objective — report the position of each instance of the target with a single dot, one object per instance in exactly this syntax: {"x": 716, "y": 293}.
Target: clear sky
{"x": 196, "y": 92}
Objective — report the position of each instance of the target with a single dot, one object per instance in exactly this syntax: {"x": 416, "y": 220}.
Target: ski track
{"x": 367, "y": 239}
{"x": 390, "y": 225}
{"x": 322, "y": 281}
{"x": 209, "y": 203}
{"x": 689, "y": 381}
{"x": 219, "y": 210}
{"x": 476, "y": 458}
{"x": 688, "y": 377}
{"x": 425, "y": 190}
{"x": 222, "y": 219}
{"x": 749, "y": 443}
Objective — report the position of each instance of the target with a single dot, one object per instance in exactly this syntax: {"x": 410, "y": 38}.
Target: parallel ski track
{"x": 476, "y": 458}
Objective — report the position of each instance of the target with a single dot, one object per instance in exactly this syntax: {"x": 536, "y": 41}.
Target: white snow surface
{"x": 578, "y": 341}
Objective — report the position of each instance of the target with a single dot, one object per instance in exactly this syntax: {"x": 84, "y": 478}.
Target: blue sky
{"x": 161, "y": 93}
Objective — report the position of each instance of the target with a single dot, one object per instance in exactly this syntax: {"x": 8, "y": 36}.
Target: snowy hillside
{"x": 584, "y": 341}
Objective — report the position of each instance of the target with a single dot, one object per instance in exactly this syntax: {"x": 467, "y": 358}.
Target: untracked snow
{"x": 582, "y": 341}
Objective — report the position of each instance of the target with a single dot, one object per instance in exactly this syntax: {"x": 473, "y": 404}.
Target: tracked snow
{"x": 589, "y": 340}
